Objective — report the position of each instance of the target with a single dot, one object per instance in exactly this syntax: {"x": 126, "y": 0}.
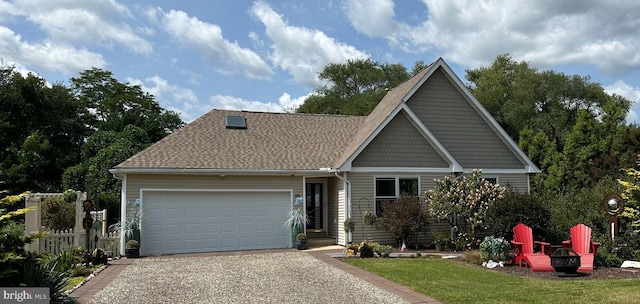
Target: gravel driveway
{"x": 285, "y": 277}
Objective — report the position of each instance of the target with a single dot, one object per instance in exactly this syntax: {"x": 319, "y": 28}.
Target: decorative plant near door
{"x": 349, "y": 225}
{"x": 296, "y": 220}
{"x": 133, "y": 221}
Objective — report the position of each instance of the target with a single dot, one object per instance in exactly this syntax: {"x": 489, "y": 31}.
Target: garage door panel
{"x": 181, "y": 222}
{"x": 193, "y": 228}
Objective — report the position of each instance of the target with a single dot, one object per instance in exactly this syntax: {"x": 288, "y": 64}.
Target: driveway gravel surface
{"x": 284, "y": 277}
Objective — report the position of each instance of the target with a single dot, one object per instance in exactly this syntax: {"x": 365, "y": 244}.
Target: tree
{"x": 354, "y": 87}
{"x": 404, "y": 218}
{"x": 463, "y": 202}
{"x": 41, "y": 129}
{"x": 125, "y": 120}
{"x": 103, "y": 151}
{"x": 519, "y": 96}
{"x": 116, "y": 105}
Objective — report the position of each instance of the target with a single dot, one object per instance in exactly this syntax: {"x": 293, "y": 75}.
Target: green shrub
{"x": 496, "y": 249}
{"x": 366, "y": 249}
{"x": 45, "y": 275}
{"x": 382, "y": 250}
{"x": 58, "y": 215}
{"x": 63, "y": 262}
{"x": 517, "y": 208}
{"x": 404, "y": 218}
{"x": 584, "y": 206}
{"x": 132, "y": 244}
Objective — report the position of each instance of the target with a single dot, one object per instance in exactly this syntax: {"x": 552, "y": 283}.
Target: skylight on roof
{"x": 235, "y": 122}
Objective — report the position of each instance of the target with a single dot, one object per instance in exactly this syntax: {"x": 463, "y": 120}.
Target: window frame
{"x": 397, "y": 194}
{"x": 492, "y": 177}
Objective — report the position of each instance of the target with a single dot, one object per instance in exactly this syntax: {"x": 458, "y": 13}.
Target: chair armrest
{"x": 566, "y": 244}
{"x": 543, "y": 246}
{"x": 515, "y": 244}
{"x": 594, "y": 248}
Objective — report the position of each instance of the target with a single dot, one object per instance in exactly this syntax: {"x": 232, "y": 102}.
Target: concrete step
{"x": 314, "y": 234}
{"x": 320, "y": 242}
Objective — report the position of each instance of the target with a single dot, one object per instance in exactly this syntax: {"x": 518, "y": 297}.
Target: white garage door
{"x": 187, "y": 222}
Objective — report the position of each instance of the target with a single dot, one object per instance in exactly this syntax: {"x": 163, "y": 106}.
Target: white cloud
{"x": 547, "y": 33}
{"x": 285, "y": 103}
{"x": 172, "y": 97}
{"x": 289, "y": 104}
{"x": 82, "y": 21}
{"x": 207, "y": 39}
{"x": 302, "y": 52}
{"x": 373, "y": 18}
{"x": 225, "y": 102}
{"x": 633, "y": 94}
{"x": 623, "y": 89}
{"x": 46, "y": 56}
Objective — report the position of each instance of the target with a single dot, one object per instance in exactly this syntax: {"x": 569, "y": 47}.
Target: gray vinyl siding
{"x": 515, "y": 182}
{"x": 363, "y": 199}
{"x": 400, "y": 144}
{"x": 135, "y": 182}
{"x": 460, "y": 128}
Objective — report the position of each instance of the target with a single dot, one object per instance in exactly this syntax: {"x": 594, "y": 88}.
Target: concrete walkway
{"x": 85, "y": 293}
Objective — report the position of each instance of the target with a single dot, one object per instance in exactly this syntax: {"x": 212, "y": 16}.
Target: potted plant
{"x": 296, "y": 220}
{"x": 99, "y": 257}
{"x": 132, "y": 249}
{"x": 301, "y": 241}
{"x": 352, "y": 249}
{"x": 349, "y": 225}
{"x": 440, "y": 239}
{"x": 133, "y": 221}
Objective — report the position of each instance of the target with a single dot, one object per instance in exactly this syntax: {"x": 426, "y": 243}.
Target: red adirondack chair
{"x": 581, "y": 243}
{"x": 522, "y": 249}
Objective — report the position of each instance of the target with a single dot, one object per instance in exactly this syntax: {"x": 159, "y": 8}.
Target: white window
{"x": 389, "y": 189}
{"x": 493, "y": 179}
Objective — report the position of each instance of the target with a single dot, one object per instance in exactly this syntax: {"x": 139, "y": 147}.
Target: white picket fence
{"x": 57, "y": 241}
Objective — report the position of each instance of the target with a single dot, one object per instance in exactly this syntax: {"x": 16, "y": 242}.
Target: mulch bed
{"x": 599, "y": 273}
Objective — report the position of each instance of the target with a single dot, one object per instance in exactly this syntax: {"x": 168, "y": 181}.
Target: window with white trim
{"x": 389, "y": 189}
{"x": 493, "y": 180}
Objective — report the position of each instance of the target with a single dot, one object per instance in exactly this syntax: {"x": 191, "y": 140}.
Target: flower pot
{"x": 301, "y": 245}
{"x": 132, "y": 252}
{"x": 439, "y": 247}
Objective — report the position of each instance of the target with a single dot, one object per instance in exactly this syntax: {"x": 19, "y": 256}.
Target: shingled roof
{"x": 272, "y": 141}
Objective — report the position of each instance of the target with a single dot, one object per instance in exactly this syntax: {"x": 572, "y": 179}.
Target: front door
{"x": 314, "y": 206}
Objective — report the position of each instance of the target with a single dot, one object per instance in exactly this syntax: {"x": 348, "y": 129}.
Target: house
{"x": 227, "y": 180}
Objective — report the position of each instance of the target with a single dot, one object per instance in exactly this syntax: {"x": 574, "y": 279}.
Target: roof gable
{"x": 401, "y": 144}
{"x": 403, "y": 95}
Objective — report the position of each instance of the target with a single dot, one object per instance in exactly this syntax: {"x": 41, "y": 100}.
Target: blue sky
{"x": 262, "y": 55}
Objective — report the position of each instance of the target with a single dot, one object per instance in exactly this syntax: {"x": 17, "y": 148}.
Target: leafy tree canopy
{"x": 520, "y": 96}
{"x": 354, "y": 87}
{"x": 41, "y": 129}
{"x": 116, "y": 105}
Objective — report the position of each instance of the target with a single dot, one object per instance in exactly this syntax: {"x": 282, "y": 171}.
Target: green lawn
{"x": 452, "y": 282}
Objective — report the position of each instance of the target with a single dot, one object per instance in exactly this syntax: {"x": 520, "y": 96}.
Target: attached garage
{"x": 193, "y": 221}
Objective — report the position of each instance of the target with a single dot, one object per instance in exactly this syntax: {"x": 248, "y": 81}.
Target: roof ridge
{"x": 288, "y": 113}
